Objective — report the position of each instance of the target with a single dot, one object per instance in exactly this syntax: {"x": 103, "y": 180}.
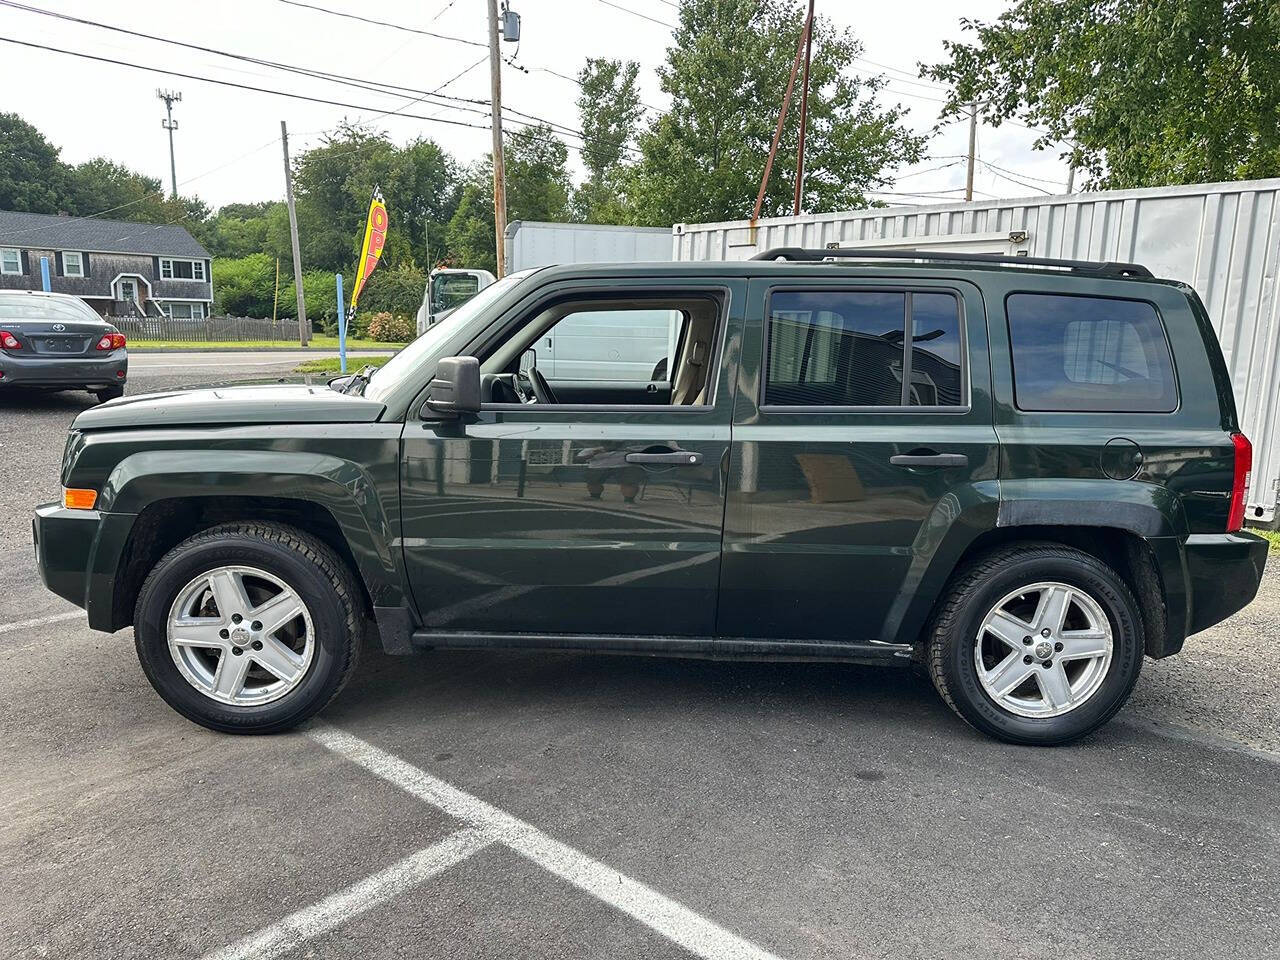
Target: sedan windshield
{"x": 407, "y": 361}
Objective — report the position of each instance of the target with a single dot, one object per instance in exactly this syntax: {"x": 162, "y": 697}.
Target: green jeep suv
{"x": 1024, "y": 475}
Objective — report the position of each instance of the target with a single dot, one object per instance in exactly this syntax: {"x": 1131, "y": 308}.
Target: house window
{"x": 185, "y": 311}
{"x": 11, "y": 262}
{"x": 73, "y": 264}
{"x": 171, "y": 269}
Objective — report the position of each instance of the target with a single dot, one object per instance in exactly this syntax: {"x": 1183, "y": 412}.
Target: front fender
{"x": 340, "y": 486}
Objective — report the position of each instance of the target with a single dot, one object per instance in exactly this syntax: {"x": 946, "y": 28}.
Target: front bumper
{"x": 53, "y": 371}
{"x": 1224, "y": 571}
{"x": 78, "y": 554}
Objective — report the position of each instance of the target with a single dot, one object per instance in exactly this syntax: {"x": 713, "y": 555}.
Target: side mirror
{"x": 455, "y": 389}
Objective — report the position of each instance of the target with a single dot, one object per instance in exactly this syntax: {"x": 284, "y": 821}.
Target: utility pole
{"x": 499, "y": 165}
{"x": 304, "y": 329}
{"x": 170, "y": 97}
{"x": 804, "y": 109}
{"x": 1071, "y": 178}
{"x": 973, "y": 143}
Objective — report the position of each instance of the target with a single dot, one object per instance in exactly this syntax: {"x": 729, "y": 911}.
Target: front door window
{"x": 128, "y": 291}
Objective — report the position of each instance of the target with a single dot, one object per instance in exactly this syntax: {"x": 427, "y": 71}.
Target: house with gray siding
{"x": 119, "y": 268}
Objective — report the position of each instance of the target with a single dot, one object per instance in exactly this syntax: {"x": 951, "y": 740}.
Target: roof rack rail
{"x": 1096, "y": 267}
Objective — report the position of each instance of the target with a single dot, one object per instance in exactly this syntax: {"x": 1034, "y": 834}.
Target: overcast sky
{"x": 228, "y": 140}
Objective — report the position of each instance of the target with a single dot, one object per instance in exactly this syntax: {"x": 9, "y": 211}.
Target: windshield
{"x": 405, "y": 363}
{"x": 450, "y": 290}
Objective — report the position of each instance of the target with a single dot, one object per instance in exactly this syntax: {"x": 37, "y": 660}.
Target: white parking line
{"x": 284, "y": 935}
{"x": 676, "y": 922}
{"x": 40, "y": 621}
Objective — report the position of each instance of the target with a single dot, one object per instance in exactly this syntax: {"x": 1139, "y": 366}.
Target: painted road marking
{"x": 40, "y": 621}
{"x": 319, "y": 918}
{"x": 676, "y": 922}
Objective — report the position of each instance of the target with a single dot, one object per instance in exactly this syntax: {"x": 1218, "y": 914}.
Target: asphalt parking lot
{"x": 532, "y": 805}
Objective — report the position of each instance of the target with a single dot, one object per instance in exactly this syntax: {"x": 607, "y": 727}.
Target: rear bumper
{"x": 78, "y": 554}
{"x": 1223, "y": 573}
{"x": 55, "y": 371}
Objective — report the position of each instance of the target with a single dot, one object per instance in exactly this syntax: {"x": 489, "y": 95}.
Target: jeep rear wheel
{"x": 248, "y": 628}
{"x": 1037, "y": 644}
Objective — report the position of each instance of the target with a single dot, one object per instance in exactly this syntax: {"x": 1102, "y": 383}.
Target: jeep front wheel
{"x": 248, "y": 628}
{"x": 1037, "y": 644}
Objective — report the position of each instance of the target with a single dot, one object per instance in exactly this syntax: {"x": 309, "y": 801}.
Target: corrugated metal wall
{"x": 1222, "y": 238}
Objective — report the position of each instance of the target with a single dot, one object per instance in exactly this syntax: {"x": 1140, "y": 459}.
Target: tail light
{"x": 111, "y": 341}
{"x": 8, "y": 341}
{"x": 1240, "y": 481}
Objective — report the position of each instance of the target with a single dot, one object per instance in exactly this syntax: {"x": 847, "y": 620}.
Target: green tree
{"x": 610, "y": 112}
{"x": 1141, "y": 92}
{"x": 239, "y": 229}
{"x": 334, "y": 183}
{"x": 32, "y": 177}
{"x": 470, "y": 234}
{"x": 538, "y": 188}
{"x": 725, "y": 74}
{"x": 101, "y": 184}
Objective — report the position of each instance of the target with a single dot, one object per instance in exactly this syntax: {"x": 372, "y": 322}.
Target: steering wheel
{"x": 541, "y": 389}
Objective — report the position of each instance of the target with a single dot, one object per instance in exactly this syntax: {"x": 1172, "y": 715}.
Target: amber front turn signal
{"x": 74, "y": 499}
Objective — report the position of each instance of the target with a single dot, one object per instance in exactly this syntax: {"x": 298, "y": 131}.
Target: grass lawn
{"x": 1271, "y": 535}
{"x": 330, "y": 364}
{"x": 317, "y": 343}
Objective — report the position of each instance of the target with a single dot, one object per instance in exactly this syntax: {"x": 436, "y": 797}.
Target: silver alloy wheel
{"x": 1043, "y": 650}
{"x": 240, "y": 635}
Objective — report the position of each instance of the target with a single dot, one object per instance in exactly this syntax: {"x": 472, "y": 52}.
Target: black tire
{"x": 979, "y": 586}
{"x": 113, "y": 392}
{"x": 322, "y": 580}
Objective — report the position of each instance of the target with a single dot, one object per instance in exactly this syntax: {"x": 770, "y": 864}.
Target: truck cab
{"x": 447, "y": 289}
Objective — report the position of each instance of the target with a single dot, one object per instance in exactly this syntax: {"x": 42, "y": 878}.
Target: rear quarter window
{"x": 1096, "y": 354}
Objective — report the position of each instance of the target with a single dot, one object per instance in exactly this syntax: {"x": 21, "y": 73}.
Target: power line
{"x": 379, "y": 87}
{"x": 634, "y": 13}
{"x": 1004, "y": 176}
{"x": 229, "y": 83}
{"x": 382, "y": 23}
{"x": 253, "y": 89}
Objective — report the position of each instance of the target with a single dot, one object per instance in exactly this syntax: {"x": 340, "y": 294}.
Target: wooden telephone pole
{"x": 804, "y": 110}
{"x": 973, "y": 143}
{"x": 304, "y": 330}
{"x": 499, "y": 165}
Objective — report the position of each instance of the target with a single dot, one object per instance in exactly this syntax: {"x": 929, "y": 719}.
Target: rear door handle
{"x": 688, "y": 458}
{"x": 929, "y": 460}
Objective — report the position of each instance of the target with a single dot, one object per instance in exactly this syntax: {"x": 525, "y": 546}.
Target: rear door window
{"x": 1095, "y": 354}
{"x": 846, "y": 348}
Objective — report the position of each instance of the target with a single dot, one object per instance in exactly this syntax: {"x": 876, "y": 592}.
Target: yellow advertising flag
{"x": 375, "y": 238}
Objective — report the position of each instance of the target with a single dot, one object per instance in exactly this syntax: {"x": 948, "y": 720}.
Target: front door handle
{"x": 929, "y": 460}
{"x": 687, "y": 458}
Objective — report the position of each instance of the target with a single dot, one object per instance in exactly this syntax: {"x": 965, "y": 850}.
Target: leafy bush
{"x": 243, "y": 287}
{"x": 389, "y": 328}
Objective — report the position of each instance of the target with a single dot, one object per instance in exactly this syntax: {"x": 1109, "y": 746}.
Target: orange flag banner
{"x": 375, "y": 238}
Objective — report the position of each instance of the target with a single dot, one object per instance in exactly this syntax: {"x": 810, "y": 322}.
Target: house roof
{"x": 47, "y": 231}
